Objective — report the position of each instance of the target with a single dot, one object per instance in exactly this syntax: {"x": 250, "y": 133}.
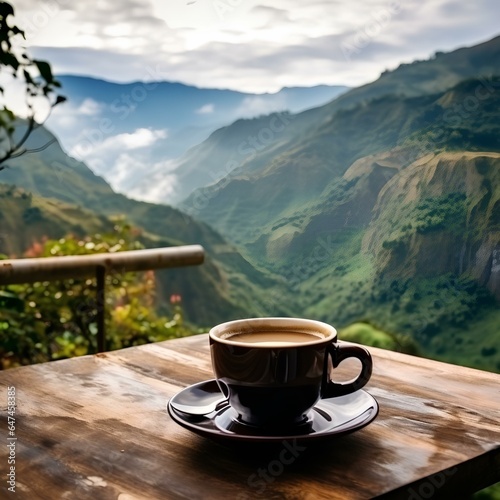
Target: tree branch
{"x": 34, "y": 150}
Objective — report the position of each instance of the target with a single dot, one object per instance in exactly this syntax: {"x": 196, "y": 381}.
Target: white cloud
{"x": 255, "y": 106}
{"x": 206, "y": 109}
{"x": 142, "y": 137}
{"x": 157, "y": 185}
{"x": 123, "y": 159}
{"x": 89, "y": 107}
{"x": 255, "y": 45}
{"x": 142, "y": 179}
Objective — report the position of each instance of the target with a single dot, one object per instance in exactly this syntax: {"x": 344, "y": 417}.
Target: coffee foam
{"x": 273, "y": 337}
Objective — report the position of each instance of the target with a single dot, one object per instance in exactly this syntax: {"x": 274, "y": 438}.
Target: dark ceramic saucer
{"x": 329, "y": 418}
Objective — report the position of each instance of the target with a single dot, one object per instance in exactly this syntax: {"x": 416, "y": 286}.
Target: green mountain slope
{"x": 293, "y": 181}
{"x": 383, "y": 206}
{"x": 26, "y": 219}
{"x": 250, "y": 146}
{"x": 226, "y": 286}
{"x": 412, "y": 250}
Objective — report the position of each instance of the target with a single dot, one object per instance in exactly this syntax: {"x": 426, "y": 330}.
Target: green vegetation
{"x": 447, "y": 318}
{"x": 54, "y": 320}
{"x": 461, "y": 121}
{"x": 364, "y": 333}
{"x": 233, "y": 286}
{"x": 447, "y": 212}
{"x": 366, "y": 210}
{"x": 36, "y": 78}
{"x": 491, "y": 493}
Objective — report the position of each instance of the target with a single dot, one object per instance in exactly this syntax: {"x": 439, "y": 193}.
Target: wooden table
{"x": 96, "y": 427}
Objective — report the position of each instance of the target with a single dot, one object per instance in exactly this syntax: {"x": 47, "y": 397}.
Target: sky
{"x": 249, "y": 45}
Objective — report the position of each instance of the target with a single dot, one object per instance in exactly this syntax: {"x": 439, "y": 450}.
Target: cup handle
{"x": 339, "y": 352}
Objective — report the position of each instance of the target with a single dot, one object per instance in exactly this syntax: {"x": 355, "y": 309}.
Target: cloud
{"x": 158, "y": 185}
{"x": 88, "y": 148}
{"x": 206, "y": 109}
{"x": 255, "y": 106}
{"x": 139, "y": 177}
{"x": 123, "y": 159}
{"x": 257, "y": 45}
{"x": 89, "y": 107}
{"x": 141, "y": 138}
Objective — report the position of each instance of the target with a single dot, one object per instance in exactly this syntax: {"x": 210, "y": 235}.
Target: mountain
{"x": 411, "y": 249}
{"x": 381, "y": 206}
{"x": 41, "y": 218}
{"x": 311, "y": 135}
{"x": 61, "y": 195}
{"x": 224, "y": 152}
{"x": 132, "y": 133}
{"x": 270, "y": 188}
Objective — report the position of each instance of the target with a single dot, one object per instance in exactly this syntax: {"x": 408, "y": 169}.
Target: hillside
{"x": 62, "y": 195}
{"x": 150, "y": 124}
{"x": 272, "y": 197}
{"x": 450, "y": 201}
{"x": 307, "y": 135}
{"x": 380, "y": 207}
{"x": 25, "y": 219}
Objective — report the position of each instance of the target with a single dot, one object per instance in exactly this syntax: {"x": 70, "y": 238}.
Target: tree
{"x": 37, "y": 79}
{"x": 54, "y": 320}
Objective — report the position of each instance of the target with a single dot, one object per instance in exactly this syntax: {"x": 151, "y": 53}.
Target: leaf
{"x": 6, "y": 10}
{"x": 9, "y": 114}
{"x": 45, "y": 71}
{"x": 27, "y": 77}
{"x": 18, "y": 31}
{"x": 60, "y": 99}
{"x": 8, "y": 59}
{"x": 9, "y": 300}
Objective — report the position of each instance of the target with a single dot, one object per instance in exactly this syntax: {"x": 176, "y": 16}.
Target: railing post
{"x": 101, "y": 305}
{"x": 13, "y": 271}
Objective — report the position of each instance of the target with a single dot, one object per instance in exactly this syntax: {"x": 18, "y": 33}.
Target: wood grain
{"x": 96, "y": 427}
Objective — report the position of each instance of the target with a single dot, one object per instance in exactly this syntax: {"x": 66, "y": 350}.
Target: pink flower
{"x": 175, "y": 299}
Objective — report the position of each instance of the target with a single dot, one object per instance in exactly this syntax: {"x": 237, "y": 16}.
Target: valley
{"x": 379, "y": 209}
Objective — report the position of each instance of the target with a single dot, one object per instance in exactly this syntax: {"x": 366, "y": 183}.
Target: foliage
{"x": 367, "y": 334}
{"x": 37, "y": 79}
{"x": 445, "y": 212}
{"x": 54, "y": 320}
{"x": 491, "y": 493}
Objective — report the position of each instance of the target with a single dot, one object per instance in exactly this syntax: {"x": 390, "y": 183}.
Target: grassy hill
{"x": 61, "y": 195}
{"x": 229, "y": 148}
{"x": 25, "y": 219}
{"x": 381, "y": 207}
{"x": 300, "y": 180}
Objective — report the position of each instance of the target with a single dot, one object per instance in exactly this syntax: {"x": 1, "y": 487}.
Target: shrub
{"x": 54, "y": 320}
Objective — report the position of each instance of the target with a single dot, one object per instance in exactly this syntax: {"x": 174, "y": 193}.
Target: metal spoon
{"x": 199, "y": 399}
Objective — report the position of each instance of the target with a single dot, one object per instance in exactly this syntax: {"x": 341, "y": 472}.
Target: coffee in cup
{"x": 274, "y": 370}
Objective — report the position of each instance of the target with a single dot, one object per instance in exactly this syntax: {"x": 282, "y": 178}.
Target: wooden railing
{"x": 14, "y": 271}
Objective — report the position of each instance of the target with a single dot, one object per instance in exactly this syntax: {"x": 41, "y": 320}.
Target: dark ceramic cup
{"x": 274, "y": 370}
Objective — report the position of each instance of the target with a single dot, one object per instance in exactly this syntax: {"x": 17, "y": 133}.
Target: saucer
{"x": 328, "y": 419}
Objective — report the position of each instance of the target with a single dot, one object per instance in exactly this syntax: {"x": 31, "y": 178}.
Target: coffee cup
{"x": 274, "y": 370}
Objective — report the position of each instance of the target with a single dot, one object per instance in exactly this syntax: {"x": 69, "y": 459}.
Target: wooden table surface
{"x": 97, "y": 427}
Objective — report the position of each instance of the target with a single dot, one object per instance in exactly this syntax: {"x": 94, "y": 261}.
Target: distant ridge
{"x": 113, "y": 126}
